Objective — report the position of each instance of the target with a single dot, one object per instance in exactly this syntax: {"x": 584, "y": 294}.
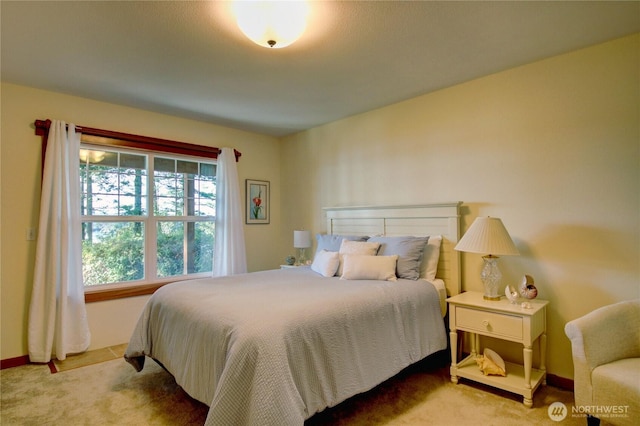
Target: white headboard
{"x": 420, "y": 220}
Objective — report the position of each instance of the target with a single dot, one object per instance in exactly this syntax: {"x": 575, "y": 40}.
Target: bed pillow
{"x": 326, "y": 263}
{"x": 362, "y": 267}
{"x": 332, "y": 242}
{"x": 430, "y": 258}
{"x": 409, "y": 251}
{"x": 357, "y": 247}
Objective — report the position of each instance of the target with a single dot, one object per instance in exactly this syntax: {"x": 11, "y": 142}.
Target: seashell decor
{"x": 528, "y": 290}
{"x": 491, "y": 363}
{"x": 511, "y": 294}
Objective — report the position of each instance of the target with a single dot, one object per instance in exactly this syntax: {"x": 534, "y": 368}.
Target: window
{"x": 129, "y": 208}
{"x": 146, "y": 216}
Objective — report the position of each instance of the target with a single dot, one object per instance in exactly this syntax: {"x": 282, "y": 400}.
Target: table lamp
{"x": 302, "y": 241}
{"x": 487, "y": 235}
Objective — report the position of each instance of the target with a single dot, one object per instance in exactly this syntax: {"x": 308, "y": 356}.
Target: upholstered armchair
{"x": 605, "y": 345}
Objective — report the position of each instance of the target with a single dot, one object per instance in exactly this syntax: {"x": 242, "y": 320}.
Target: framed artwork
{"x": 258, "y": 193}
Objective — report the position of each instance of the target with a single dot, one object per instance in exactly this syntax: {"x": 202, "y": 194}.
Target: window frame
{"x": 109, "y": 138}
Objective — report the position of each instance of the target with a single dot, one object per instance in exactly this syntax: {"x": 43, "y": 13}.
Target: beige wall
{"x": 552, "y": 148}
{"x": 110, "y": 322}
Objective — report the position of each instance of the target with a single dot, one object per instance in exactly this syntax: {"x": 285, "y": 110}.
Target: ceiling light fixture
{"x": 273, "y": 24}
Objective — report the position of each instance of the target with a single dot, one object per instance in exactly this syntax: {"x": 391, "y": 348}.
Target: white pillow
{"x": 359, "y": 267}
{"x": 326, "y": 263}
{"x": 356, "y": 247}
{"x": 430, "y": 257}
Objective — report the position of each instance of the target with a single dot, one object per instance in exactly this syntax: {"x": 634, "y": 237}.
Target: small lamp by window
{"x": 302, "y": 241}
{"x": 487, "y": 235}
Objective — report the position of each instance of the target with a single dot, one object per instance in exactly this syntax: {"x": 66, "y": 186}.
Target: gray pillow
{"x": 332, "y": 242}
{"x": 409, "y": 250}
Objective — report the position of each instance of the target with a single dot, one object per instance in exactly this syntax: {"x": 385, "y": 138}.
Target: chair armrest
{"x": 606, "y": 334}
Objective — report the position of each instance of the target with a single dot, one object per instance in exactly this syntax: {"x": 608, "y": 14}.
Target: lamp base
{"x": 302, "y": 257}
{"x": 491, "y": 276}
{"x": 492, "y": 298}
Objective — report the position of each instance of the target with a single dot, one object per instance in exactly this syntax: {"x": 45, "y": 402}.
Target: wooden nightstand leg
{"x": 475, "y": 344}
{"x": 453, "y": 342}
{"x": 543, "y": 357}
{"x": 528, "y": 360}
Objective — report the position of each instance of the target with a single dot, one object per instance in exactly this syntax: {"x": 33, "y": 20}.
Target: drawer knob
{"x": 485, "y": 323}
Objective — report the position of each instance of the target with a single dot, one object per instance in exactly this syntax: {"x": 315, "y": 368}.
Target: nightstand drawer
{"x": 489, "y": 323}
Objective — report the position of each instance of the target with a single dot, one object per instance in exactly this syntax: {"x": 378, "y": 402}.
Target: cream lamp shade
{"x": 488, "y": 236}
{"x": 301, "y": 241}
{"x": 272, "y": 24}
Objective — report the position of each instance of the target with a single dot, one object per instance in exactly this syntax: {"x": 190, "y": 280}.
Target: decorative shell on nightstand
{"x": 527, "y": 289}
{"x": 511, "y": 293}
{"x": 491, "y": 363}
{"x": 290, "y": 260}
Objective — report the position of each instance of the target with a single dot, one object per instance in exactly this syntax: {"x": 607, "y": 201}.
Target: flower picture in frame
{"x": 258, "y": 193}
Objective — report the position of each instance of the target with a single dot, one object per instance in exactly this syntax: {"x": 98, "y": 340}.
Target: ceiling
{"x": 189, "y": 59}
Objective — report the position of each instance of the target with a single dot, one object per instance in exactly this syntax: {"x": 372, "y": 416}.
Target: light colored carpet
{"x": 112, "y": 393}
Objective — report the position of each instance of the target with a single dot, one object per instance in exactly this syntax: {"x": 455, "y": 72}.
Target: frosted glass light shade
{"x": 273, "y": 24}
{"x": 487, "y": 235}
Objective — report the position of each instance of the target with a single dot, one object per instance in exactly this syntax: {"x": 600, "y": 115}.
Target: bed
{"x": 275, "y": 347}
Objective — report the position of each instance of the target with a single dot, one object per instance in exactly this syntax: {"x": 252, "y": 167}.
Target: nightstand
{"x": 292, "y": 266}
{"x": 469, "y": 312}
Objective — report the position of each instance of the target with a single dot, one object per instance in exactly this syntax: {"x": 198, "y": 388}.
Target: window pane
{"x": 112, "y": 252}
{"x": 208, "y": 169}
{"x": 166, "y": 184}
{"x": 93, "y": 156}
{"x": 205, "y": 197}
{"x": 167, "y": 206}
{"x": 170, "y": 249}
{"x": 102, "y": 158}
{"x": 174, "y": 237}
{"x": 187, "y": 167}
{"x": 206, "y": 208}
{"x": 102, "y": 204}
{"x": 164, "y": 165}
{"x": 183, "y": 188}
{"x": 133, "y": 161}
{"x": 113, "y": 183}
{"x": 200, "y": 248}
{"x": 169, "y": 194}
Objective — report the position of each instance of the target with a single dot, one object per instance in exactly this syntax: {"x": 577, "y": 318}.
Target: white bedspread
{"x": 275, "y": 347}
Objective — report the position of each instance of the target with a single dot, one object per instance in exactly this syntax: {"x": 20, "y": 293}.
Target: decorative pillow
{"x": 409, "y": 251}
{"x": 357, "y": 247}
{"x": 332, "y": 242}
{"x": 361, "y": 267}
{"x": 430, "y": 258}
{"x": 326, "y": 263}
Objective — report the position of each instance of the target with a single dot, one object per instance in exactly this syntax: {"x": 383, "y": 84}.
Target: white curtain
{"x": 229, "y": 256}
{"x": 57, "y": 315}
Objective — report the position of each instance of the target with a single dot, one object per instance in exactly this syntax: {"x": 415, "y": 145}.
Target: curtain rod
{"x": 137, "y": 141}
